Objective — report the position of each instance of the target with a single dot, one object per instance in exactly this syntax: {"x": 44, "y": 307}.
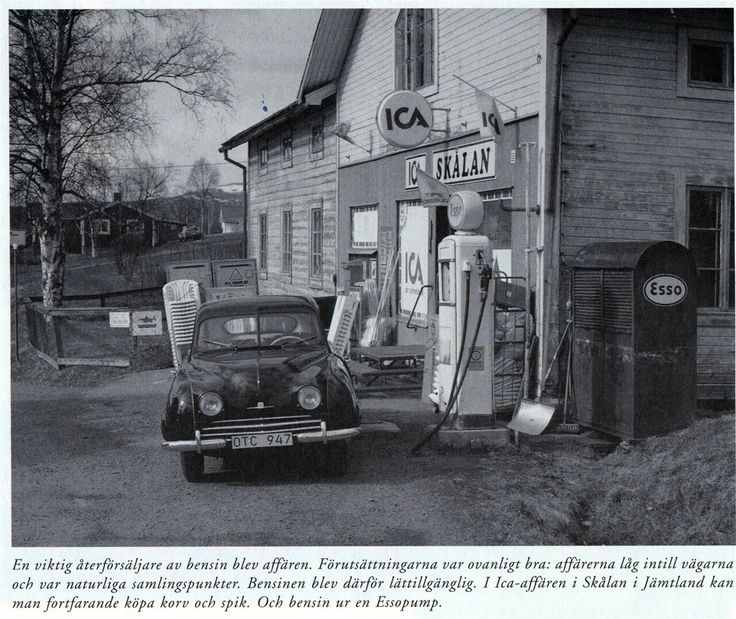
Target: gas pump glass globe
{"x": 465, "y": 211}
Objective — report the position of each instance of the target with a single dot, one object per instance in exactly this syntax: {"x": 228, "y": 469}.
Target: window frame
{"x": 400, "y": 77}
{"x": 287, "y": 135}
{"x": 369, "y": 247}
{"x": 317, "y": 122}
{"x": 287, "y": 255}
{"x": 725, "y": 223}
{"x": 263, "y": 243}
{"x": 134, "y": 225}
{"x": 102, "y": 227}
{"x": 263, "y": 164}
{"x": 703, "y": 90}
{"x": 315, "y": 278}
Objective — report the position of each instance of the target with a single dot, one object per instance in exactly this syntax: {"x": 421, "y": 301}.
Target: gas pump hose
{"x": 455, "y": 388}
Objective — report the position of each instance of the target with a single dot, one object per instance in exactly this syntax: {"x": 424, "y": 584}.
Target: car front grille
{"x": 231, "y": 427}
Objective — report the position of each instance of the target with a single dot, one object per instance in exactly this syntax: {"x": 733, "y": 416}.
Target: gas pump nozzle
{"x": 486, "y": 274}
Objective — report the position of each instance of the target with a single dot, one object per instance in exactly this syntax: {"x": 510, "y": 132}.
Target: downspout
{"x": 553, "y": 197}
{"x": 244, "y": 168}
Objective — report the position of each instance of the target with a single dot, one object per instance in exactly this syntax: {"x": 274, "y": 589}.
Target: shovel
{"x": 530, "y": 416}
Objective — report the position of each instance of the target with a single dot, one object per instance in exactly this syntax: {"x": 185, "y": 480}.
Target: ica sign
{"x": 665, "y": 290}
{"x": 404, "y": 118}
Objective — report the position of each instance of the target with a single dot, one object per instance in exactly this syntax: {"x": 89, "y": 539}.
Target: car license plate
{"x": 274, "y": 439}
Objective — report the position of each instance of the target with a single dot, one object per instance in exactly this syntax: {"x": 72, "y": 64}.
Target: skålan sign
{"x": 465, "y": 163}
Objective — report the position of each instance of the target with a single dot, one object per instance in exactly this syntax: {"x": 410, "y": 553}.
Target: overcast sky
{"x": 270, "y": 48}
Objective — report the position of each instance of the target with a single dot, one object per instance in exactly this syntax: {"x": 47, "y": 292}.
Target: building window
{"x": 414, "y": 41}
{"x": 710, "y": 238}
{"x": 286, "y": 150}
{"x": 134, "y": 225}
{"x": 316, "y": 139}
{"x": 286, "y": 253}
{"x": 263, "y": 158}
{"x": 263, "y": 248}
{"x": 102, "y": 226}
{"x": 364, "y": 227}
{"x": 705, "y": 64}
{"x": 315, "y": 239}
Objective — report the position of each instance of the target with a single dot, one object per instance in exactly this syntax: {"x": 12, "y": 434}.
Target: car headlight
{"x": 210, "y": 403}
{"x": 309, "y": 397}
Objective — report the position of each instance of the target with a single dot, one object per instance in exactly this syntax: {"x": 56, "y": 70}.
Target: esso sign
{"x": 665, "y": 290}
{"x": 465, "y": 210}
{"x": 404, "y": 118}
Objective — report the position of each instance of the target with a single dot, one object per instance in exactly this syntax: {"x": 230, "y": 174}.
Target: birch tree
{"x": 78, "y": 85}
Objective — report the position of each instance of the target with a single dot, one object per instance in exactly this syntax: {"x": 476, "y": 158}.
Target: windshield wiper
{"x": 216, "y": 343}
{"x": 235, "y": 345}
{"x": 301, "y": 341}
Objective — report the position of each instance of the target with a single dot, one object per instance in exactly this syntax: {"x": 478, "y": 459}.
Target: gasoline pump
{"x": 463, "y": 379}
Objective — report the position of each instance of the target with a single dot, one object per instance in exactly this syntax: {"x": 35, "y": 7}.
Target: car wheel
{"x": 336, "y": 459}
{"x": 192, "y": 465}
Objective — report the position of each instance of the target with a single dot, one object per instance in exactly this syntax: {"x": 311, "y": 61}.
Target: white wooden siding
{"x": 307, "y": 181}
{"x": 494, "y": 49}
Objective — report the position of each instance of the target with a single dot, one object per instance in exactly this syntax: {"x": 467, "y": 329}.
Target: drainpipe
{"x": 244, "y": 168}
{"x": 553, "y": 197}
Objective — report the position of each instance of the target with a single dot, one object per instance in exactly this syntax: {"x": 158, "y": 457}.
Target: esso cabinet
{"x": 634, "y": 337}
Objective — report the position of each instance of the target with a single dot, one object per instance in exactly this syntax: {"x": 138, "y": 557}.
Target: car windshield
{"x": 273, "y": 329}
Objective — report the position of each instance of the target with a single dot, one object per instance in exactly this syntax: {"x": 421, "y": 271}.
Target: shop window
{"x": 364, "y": 227}
{"x": 315, "y": 243}
{"x": 102, "y": 227}
{"x": 316, "y": 139}
{"x": 705, "y": 64}
{"x": 286, "y": 152}
{"x": 286, "y": 238}
{"x": 263, "y": 158}
{"x": 497, "y": 217}
{"x": 263, "y": 248}
{"x": 415, "y": 37}
{"x": 710, "y": 239}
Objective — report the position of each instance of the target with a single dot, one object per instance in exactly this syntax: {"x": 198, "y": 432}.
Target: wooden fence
{"x": 152, "y": 267}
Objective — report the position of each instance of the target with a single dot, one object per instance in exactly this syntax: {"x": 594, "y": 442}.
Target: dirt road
{"x": 88, "y": 470}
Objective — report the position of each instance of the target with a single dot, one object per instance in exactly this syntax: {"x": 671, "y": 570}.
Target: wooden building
{"x": 647, "y": 152}
{"x": 618, "y": 126}
{"x": 87, "y": 230}
{"x": 432, "y": 51}
{"x": 292, "y": 175}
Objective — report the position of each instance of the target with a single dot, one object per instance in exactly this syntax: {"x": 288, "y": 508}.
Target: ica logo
{"x": 665, "y": 289}
{"x": 490, "y": 120}
{"x": 412, "y": 268}
{"x": 403, "y": 119}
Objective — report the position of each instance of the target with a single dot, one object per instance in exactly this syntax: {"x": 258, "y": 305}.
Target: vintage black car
{"x": 259, "y": 375}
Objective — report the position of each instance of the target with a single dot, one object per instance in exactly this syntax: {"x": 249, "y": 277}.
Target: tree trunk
{"x": 52, "y": 237}
{"x": 52, "y": 250}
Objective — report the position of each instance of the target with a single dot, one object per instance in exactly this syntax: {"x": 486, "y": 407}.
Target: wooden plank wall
{"x": 299, "y": 186}
{"x": 629, "y": 140}
{"x": 493, "y": 49}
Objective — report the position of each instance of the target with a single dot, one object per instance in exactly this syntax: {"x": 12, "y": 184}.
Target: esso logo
{"x": 404, "y": 118}
{"x": 465, "y": 211}
{"x": 665, "y": 290}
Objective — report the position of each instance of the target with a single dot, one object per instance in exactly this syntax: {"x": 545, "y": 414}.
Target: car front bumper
{"x": 213, "y": 444}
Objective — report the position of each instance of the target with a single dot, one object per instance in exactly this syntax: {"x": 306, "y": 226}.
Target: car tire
{"x": 192, "y": 465}
{"x": 336, "y": 459}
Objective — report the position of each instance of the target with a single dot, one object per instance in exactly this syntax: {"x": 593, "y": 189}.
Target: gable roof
{"x": 326, "y": 58}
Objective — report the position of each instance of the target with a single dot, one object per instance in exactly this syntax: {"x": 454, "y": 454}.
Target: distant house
{"x": 86, "y": 229}
{"x": 231, "y": 218}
